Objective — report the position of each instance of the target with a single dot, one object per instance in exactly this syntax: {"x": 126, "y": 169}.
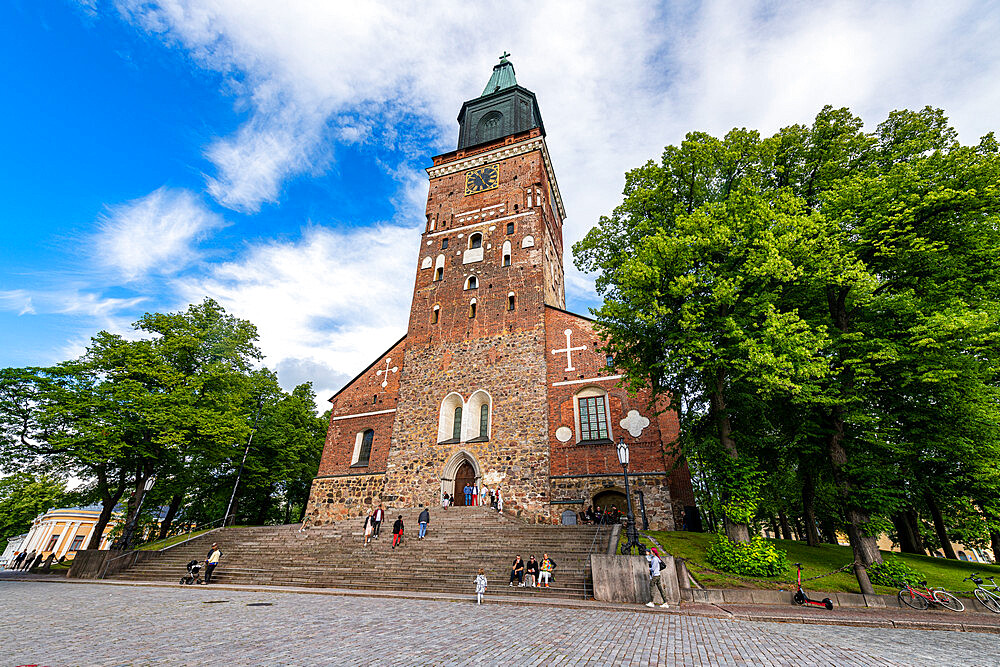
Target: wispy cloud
{"x": 154, "y": 234}
{"x": 18, "y": 301}
{"x": 329, "y": 302}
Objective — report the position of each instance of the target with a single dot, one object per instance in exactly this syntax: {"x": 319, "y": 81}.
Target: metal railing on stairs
{"x": 587, "y": 570}
{"x": 145, "y": 548}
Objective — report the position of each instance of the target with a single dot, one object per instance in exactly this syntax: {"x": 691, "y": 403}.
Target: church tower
{"x": 494, "y": 383}
{"x": 472, "y": 401}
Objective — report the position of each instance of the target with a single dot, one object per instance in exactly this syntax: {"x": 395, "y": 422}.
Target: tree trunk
{"x": 907, "y": 542}
{"x": 995, "y": 544}
{"x": 168, "y": 520}
{"x": 737, "y": 532}
{"x": 942, "y": 533}
{"x": 829, "y": 531}
{"x": 809, "y": 509}
{"x": 288, "y": 512}
{"x": 863, "y": 545}
{"x": 264, "y": 508}
{"x": 774, "y": 528}
{"x": 786, "y": 531}
{"x": 913, "y": 520}
{"x": 109, "y": 499}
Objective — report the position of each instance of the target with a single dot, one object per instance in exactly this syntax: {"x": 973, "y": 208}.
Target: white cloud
{"x": 154, "y": 234}
{"x": 615, "y": 84}
{"x": 17, "y": 300}
{"x": 330, "y": 302}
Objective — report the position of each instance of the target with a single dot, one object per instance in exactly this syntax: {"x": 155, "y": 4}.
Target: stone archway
{"x": 614, "y": 496}
{"x": 461, "y": 467}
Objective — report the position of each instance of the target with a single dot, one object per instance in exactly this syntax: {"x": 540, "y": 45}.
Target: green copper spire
{"x": 503, "y": 76}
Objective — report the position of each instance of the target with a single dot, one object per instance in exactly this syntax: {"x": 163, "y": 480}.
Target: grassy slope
{"x": 162, "y": 544}
{"x": 819, "y": 560}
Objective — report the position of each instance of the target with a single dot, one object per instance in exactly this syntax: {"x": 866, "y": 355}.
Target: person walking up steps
{"x": 397, "y": 532}
{"x": 480, "y": 586}
{"x": 369, "y": 527}
{"x": 379, "y": 517}
{"x": 655, "y": 565}
{"x": 423, "y": 520}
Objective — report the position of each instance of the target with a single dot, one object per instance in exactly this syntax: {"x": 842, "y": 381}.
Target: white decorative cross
{"x": 569, "y": 350}
{"x": 386, "y": 370}
{"x": 634, "y": 423}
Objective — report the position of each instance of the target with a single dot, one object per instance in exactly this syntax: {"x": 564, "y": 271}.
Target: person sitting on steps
{"x": 531, "y": 573}
{"x": 517, "y": 572}
{"x": 547, "y": 566}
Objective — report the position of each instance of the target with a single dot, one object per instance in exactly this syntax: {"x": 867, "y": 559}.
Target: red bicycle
{"x": 918, "y": 599}
{"x": 800, "y": 596}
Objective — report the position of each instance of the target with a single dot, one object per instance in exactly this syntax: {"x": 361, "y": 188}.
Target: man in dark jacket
{"x": 531, "y": 572}
{"x": 397, "y": 531}
{"x": 517, "y": 572}
{"x": 379, "y": 518}
{"x": 423, "y": 520}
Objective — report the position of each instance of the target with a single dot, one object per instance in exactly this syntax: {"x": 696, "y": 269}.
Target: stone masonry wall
{"x": 655, "y": 488}
{"x": 343, "y": 497}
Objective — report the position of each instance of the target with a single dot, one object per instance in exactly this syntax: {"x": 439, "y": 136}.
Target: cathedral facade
{"x": 495, "y": 383}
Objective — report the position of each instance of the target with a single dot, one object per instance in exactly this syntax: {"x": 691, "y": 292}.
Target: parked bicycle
{"x": 989, "y": 598}
{"x": 913, "y": 597}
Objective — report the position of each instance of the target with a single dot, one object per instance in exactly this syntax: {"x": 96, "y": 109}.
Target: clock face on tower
{"x": 482, "y": 179}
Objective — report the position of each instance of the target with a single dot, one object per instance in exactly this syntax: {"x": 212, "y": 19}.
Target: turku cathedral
{"x": 494, "y": 381}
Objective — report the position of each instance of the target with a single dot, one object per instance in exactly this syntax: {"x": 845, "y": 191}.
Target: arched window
{"x": 450, "y": 418}
{"x": 472, "y": 309}
{"x": 479, "y": 408}
{"x": 591, "y": 413}
{"x": 506, "y": 253}
{"x": 475, "y": 241}
{"x": 510, "y": 301}
{"x": 439, "y": 268}
{"x": 456, "y": 424}
{"x": 472, "y": 283}
{"x": 435, "y": 314}
{"x": 363, "y": 447}
{"x": 489, "y": 127}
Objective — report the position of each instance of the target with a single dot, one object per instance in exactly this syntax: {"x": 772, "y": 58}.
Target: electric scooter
{"x": 800, "y": 596}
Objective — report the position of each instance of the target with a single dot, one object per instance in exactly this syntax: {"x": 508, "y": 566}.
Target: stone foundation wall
{"x": 655, "y": 488}
{"x": 341, "y": 497}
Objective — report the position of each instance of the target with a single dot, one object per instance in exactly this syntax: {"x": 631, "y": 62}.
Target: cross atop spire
{"x": 503, "y": 76}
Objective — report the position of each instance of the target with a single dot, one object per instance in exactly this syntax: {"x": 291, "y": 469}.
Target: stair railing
{"x": 134, "y": 553}
{"x": 587, "y": 570}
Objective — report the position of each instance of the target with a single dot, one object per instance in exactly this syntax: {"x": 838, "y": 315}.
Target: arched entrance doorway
{"x": 611, "y": 498}
{"x": 461, "y": 469}
{"x": 465, "y": 475}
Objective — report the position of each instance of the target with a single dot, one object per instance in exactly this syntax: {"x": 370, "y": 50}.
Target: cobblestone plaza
{"x": 88, "y": 624}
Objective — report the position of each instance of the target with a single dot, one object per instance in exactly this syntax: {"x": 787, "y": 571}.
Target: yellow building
{"x": 64, "y": 531}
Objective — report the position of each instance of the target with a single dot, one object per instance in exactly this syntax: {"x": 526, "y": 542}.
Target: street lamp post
{"x": 232, "y": 498}
{"x": 631, "y": 534}
{"x": 130, "y": 528}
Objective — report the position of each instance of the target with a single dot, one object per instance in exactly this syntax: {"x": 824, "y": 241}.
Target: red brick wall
{"x": 357, "y": 399}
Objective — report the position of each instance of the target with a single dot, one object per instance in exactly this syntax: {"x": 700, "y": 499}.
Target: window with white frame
{"x": 363, "y": 447}
{"x": 591, "y": 412}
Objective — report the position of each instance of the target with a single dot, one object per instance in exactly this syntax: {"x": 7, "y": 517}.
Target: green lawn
{"x": 164, "y": 543}
{"x": 818, "y": 560}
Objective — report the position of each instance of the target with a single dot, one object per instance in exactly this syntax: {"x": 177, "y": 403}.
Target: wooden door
{"x": 464, "y": 475}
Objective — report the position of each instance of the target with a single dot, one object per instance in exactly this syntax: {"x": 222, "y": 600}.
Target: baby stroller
{"x": 192, "y": 577}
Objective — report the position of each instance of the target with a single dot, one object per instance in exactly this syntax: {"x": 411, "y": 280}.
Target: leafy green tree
{"x": 24, "y": 496}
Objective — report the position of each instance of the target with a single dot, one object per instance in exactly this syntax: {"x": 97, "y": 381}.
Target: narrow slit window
{"x": 374, "y": 399}
{"x": 456, "y": 424}
{"x": 435, "y": 314}
{"x": 438, "y": 273}
{"x": 472, "y": 310}
{"x": 510, "y": 302}
{"x": 510, "y": 227}
{"x": 444, "y": 244}
{"x": 484, "y": 421}
{"x": 366, "y": 447}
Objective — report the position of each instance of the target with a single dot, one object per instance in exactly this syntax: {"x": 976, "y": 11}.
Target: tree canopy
{"x": 823, "y": 301}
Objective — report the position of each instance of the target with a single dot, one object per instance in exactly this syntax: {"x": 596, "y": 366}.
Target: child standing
{"x": 480, "y": 586}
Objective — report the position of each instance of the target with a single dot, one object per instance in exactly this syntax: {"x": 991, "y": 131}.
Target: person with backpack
{"x": 397, "y": 532}
{"x": 655, "y": 567}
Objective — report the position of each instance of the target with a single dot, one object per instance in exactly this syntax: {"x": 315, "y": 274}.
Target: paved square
{"x": 90, "y": 624}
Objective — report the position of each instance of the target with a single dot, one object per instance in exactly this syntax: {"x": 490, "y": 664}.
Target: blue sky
{"x": 271, "y": 155}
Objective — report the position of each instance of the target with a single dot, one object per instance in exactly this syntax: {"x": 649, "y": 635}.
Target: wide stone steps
{"x": 459, "y": 541}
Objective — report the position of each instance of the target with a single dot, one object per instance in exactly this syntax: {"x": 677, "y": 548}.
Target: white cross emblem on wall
{"x": 386, "y": 370}
{"x": 569, "y": 350}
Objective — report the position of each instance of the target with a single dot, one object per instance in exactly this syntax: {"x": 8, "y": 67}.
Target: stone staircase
{"x": 459, "y": 541}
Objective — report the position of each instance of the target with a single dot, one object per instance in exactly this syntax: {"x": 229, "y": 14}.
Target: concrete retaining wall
{"x": 626, "y": 579}
{"x": 90, "y": 563}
